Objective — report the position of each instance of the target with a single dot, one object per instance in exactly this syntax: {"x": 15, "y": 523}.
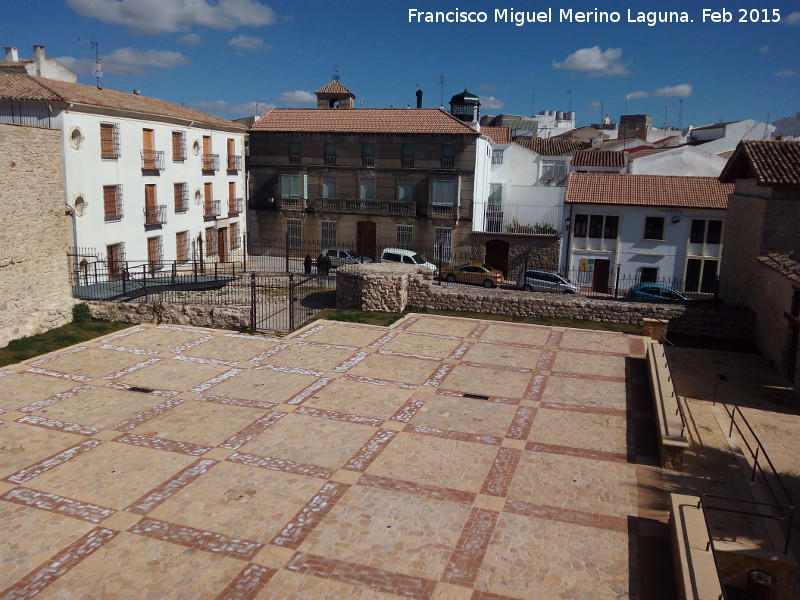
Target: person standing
{"x": 307, "y": 264}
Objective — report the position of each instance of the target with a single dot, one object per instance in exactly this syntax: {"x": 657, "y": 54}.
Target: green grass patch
{"x": 384, "y": 318}
{"x": 56, "y": 339}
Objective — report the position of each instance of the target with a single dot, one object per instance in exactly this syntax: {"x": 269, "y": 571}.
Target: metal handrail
{"x": 710, "y": 546}
{"x": 679, "y": 410}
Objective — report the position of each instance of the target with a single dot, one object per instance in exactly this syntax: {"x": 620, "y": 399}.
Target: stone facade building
{"x": 364, "y": 177}
{"x": 34, "y": 288}
{"x": 762, "y": 268}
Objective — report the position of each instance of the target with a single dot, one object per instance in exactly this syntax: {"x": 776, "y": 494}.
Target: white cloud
{"x": 163, "y": 16}
{"x": 763, "y": 50}
{"x": 684, "y": 90}
{"x": 490, "y": 102}
{"x": 792, "y": 18}
{"x": 246, "y": 109}
{"x": 487, "y": 87}
{"x": 297, "y": 97}
{"x": 594, "y": 61}
{"x": 786, "y": 73}
{"x": 637, "y": 95}
{"x": 190, "y": 38}
{"x": 594, "y": 106}
{"x": 127, "y": 61}
{"x": 245, "y": 42}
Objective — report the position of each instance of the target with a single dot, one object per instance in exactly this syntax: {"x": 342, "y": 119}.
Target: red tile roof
{"x": 362, "y": 120}
{"x": 785, "y": 264}
{"x": 775, "y": 164}
{"x": 647, "y": 190}
{"x": 499, "y": 135}
{"x": 19, "y": 86}
{"x": 599, "y": 158}
{"x": 552, "y": 147}
{"x": 334, "y": 87}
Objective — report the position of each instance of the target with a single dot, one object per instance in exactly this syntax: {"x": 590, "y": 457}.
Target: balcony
{"x": 365, "y": 207}
{"x": 155, "y": 215}
{"x": 235, "y": 206}
{"x": 447, "y": 163}
{"x": 152, "y": 160}
{"x": 330, "y": 160}
{"x": 211, "y": 209}
{"x": 291, "y": 203}
{"x": 367, "y": 161}
{"x": 234, "y": 162}
{"x": 294, "y": 159}
{"x": 210, "y": 162}
{"x": 407, "y": 163}
{"x": 443, "y": 211}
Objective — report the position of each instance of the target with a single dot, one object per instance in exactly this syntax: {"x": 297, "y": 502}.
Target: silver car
{"x": 536, "y": 280}
{"x": 343, "y": 256}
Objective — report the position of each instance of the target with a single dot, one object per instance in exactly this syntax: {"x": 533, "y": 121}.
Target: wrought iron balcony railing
{"x": 234, "y": 162}
{"x": 210, "y": 162}
{"x": 360, "y": 206}
{"x": 155, "y": 215}
{"x": 443, "y": 210}
{"x": 152, "y": 160}
{"x": 211, "y": 208}
{"x": 235, "y": 205}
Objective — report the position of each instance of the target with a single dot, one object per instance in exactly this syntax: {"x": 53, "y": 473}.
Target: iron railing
{"x": 234, "y": 162}
{"x": 212, "y": 208}
{"x": 210, "y": 162}
{"x": 235, "y": 205}
{"x": 152, "y": 160}
{"x": 155, "y": 215}
{"x": 361, "y": 206}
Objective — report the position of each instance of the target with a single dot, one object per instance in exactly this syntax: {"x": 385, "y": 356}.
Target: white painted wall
{"x": 630, "y": 251}
{"x": 86, "y": 174}
{"x": 734, "y": 133}
{"x": 684, "y": 160}
{"x": 788, "y": 127}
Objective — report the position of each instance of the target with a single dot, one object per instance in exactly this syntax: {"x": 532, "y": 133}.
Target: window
{"x": 294, "y": 153}
{"x": 328, "y": 233}
{"x": 701, "y": 275}
{"x": 649, "y": 274}
{"x": 154, "y": 214}
{"x": 112, "y": 202}
{"x": 368, "y": 154}
{"x": 366, "y": 188}
{"x": 210, "y": 161}
{"x": 329, "y": 187}
{"x": 443, "y": 192}
{"x": 115, "y": 259}
{"x": 654, "y": 228}
{"x": 444, "y": 243}
{"x": 294, "y": 234}
{"x": 290, "y": 187}
{"x": 407, "y": 155}
{"x": 155, "y": 253}
{"x": 497, "y": 157}
{"x": 234, "y": 160}
{"x": 330, "y": 153}
{"x": 705, "y": 232}
{"x": 235, "y": 236}
{"x": 210, "y": 242}
{"x": 447, "y": 156}
{"x": 596, "y": 226}
{"x": 405, "y": 190}
{"x": 178, "y": 146}
{"x": 182, "y": 246}
{"x": 109, "y": 141}
{"x": 404, "y": 236}
{"x": 553, "y": 169}
{"x": 494, "y": 208}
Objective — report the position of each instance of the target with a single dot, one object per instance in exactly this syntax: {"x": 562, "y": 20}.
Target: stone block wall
{"x": 35, "y": 233}
{"x": 364, "y": 290}
{"x": 174, "y": 314}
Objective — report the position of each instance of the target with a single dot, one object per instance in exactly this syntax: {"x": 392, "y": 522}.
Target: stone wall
{"x": 34, "y": 235}
{"x": 173, "y": 314}
{"x": 383, "y": 290}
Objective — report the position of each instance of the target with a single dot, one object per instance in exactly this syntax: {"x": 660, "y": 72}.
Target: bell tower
{"x": 335, "y": 95}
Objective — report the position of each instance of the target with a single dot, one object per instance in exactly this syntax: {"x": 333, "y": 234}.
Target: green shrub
{"x": 81, "y": 313}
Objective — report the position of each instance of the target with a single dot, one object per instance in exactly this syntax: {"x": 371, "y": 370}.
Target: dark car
{"x": 535, "y": 280}
{"x": 656, "y": 291}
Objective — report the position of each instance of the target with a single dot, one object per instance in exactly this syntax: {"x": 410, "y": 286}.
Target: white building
{"x": 145, "y": 179}
{"x": 646, "y": 228}
{"x": 39, "y": 65}
{"x": 684, "y": 160}
{"x": 788, "y": 127}
{"x": 725, "y": 137}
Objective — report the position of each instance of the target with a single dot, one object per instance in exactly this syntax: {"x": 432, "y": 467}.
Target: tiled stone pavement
{"x": 441, "y": 458}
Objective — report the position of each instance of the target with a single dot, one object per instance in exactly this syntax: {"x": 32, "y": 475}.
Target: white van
{"x": 408, "y": 257}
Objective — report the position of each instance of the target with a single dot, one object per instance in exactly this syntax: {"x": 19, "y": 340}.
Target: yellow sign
{"x": 584, "y": 263}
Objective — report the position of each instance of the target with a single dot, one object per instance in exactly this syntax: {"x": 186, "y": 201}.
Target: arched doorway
{"x": 497, "y": 255}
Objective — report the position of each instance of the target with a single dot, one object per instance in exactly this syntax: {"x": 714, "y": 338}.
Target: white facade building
{"x": 725, "y": 137}
{"x": 684, "y": 160}
{"x": 146, "y": 180}
{"x": 645, "y": 228}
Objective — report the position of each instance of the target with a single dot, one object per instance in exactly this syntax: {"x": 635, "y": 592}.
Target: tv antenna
{"x": 680, "y": 113}
{"x": 336, "y": 73}
{"x": 97, "y": 69}
{"x": 442, "y": 81}
{"x": 569, "y": 93}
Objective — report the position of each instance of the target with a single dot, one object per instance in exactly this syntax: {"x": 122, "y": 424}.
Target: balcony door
{"x": 365, "y": 239}
{"x": 148, "y": 145}
{"x": 150, "y": 216}
{"x": 602, "y": 268}
{"x": 221, "y": 247}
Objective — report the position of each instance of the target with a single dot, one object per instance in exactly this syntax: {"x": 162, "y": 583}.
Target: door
{"x": 113, "y": 258}
{"x": 221, "y": 247}
{"x": 150, "y": 217}
{"x": 207, "y": 166}
{"x": 154, "y": 253}
{"x": 600, "y": 273}
{"x": 497, "y": 255}
{"x": 365, "y": 239}
{"x": 148, "y": 149}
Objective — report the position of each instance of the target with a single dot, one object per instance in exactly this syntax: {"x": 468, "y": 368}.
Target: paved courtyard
{"x": 440, "y": 458}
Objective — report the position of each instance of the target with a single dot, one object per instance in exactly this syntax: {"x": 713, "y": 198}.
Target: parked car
{"x": 655, "y": 291}
{"x": 475, "y": 273}
{"x": 343, "y": 256}
{"x": 408, "y": 257}
{"x": 537, "y": 280}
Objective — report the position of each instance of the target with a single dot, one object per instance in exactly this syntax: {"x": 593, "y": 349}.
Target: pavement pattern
{"x": 441, "y": 458}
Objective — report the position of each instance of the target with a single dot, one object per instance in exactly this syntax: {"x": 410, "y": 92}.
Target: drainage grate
{"x": 476, "y": 396}
{"x": 141, "y": 390}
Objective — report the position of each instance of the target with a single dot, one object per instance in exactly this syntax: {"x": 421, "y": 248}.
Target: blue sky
{"x": 222, "y": 56}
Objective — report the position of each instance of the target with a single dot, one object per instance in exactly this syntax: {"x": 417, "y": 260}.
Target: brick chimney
{"x": 11, "y": 54}
{"x": 38, "y": 59}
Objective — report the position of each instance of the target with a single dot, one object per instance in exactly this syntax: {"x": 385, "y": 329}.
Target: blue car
{"x": 655, "y": 291}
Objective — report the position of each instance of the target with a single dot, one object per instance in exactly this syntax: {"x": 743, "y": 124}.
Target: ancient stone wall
{"x": 175, "y": 314}
{"x": 35, "y": 233}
